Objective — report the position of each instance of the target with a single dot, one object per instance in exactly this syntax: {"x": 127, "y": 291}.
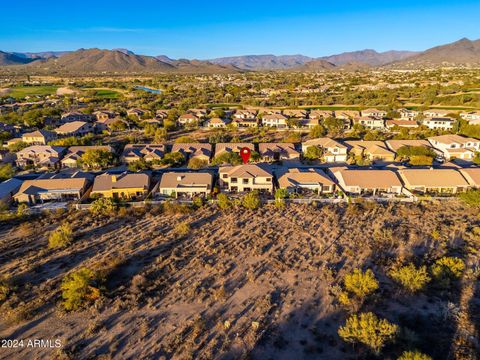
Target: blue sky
{"x": 208, "y": 29}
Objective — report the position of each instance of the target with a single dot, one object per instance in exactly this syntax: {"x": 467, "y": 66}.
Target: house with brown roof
{"x": 455, "y": 146}
{"x": 188, "y": 119}
{"x": 278, "y": 151}
{"x": 108, "y": 124}
{"x": 75, "y": 128}
{"x": 52, "y": 189}
{"x": 437, "y": 123}
{"x": 75, "y": 116}
{"x": 433, "y": 180}
{"x": 472, "y": 175}
{"x": 274, "y": 120}
{"x": 347, "y": 114}
{"x": 245, "y": 123}
{"x": 394, "y": 145}
{"x": 161, "y": 114}
{"x": 308, "y": 123}
{"x": 406, "y": 114}
{"x": 186, "y": 184}
{"x": 147, "y": 152}
{"x": 320, "y": 114}
{"x": 333, "y": 151}
{"x": 409, "y": 124}
{"x": 194, "y": 150}
{"x": 39, "y": 137}
{"x": 40, "y": 156}
{"x": 245, "y": 114}
{"x": 199, "y": 113}
{"x": 104, "y": 115}
{"x": 300, "y": 180}
{"x": 137, "y": 112}
{"x": 295, "y": 113}
{"x": 221, "y": 148}
{"x": 217, "y": 123}
{"x": 358, "y": 181}
{"x": 375, "y": 151}
{"x": 121, "y": 186}
{"x": 375, "y": 113}
{"x": 75, "y": 153}
{"x": 247, "y": 177}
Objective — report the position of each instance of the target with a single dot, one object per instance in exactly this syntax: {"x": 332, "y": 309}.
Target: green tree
{"x": 334, "y": 126}
{"x": 185, "y": 140}
{"x": 414, "y": 355}
{"x": 230, "y": 157}
{"x": 173, "y": 159}
{"x": 358, "y": 285}
{"x": 471, "y": 197}
{"x": 61, "y": 237}
{"x": 103, "y": 206}
{"x": 5, "y": 288}
{"x": 138, "y": 165}
{"x": 79, "y": 288}
{"x": 6, "y": 172}
{"x": 251, "y": 200}
{"x": 317, "y": 131}
{"x": 96, "y": 159}
{"x": 411, "y": 278}
{"x": 223, "y": 201}
{"x": 369, "y": 330}
{"x": 313, "y": 153}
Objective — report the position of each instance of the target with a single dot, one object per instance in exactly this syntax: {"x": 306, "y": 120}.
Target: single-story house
{"x": 8, "y": 189}
{"x": 194, "y": 150}
{"x": 278, "y": 151}
{"x": 433, "y": 180}
{"x": 75, "y": 153}
{"x": 147, "y": 152}
{"x": 75, "y": 128}
{"x": 299, "y": 179}
{"x": 186, "y": 183}
{"x": 372, "y": 150}
{"x": 221, "y": 148}
{"x": 358, "y": 181}
{"x": 121, "y": 186}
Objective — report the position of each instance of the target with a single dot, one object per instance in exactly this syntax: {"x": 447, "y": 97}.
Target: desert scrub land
{"x": 271, "y": 283}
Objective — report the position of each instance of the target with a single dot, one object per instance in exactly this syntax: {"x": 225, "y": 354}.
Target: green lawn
{"x": 107, "y": 94}
{"x": 22, "y": 91}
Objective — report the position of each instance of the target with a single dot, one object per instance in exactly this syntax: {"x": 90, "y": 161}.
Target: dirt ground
{"x": 259, "y": 284}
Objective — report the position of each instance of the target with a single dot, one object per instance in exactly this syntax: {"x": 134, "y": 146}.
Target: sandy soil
{"x": 4, "y": 91}
{"x": 66, "y": 91}
{"x": 243, "y": 284}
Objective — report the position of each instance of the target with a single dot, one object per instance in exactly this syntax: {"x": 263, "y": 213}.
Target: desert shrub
{"x": 280, "y": 196}
{"x": 182, "y": 229}
{"x": 421, "y": 160}
{"x": 196, "y": 163}
{"x": 22, "y": 209}
{"x": 197, "y": 202}
{"x": 61, "y": 237}
{"x": 313, "y": 153}
{"x": 414, "y": 355}
{"x": 251, "y": 200}
{"x": 5, "y": 288}
{"x": 358, "y": 285}
{"x": 103, "y": 206}
{"x": 6, "y": 172}
{"x": 471, "y": 197}
{"x": 223, "y": 201}
{"x": 79, "y": 289}
{"x": 447, "y": 269}
{"x": 369, "y": 330}
{"x": 174, "y": 208}
{"x": 410, "y": 277}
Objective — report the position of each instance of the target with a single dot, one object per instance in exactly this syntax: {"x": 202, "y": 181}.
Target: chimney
{"x": 114, "y": 178}
{"x": 179, "y": 178}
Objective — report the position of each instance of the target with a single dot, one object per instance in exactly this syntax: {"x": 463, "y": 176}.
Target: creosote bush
{"x": 182, "y": 229}
{"x": 414, "y": 355}
{"x": 5, "y": 288}
{"x": 411, "y": 278}
{"x": 251, "y": 200}
{"x": 61, "y": 237}
{"x": 447, "y": 269}
{"x": 103, "y": 206}
{"x": 79, "y": 289}
{"x": 223, "y": 201}
{"x": 369, "y": 330}
{"x": 358, "y": 285}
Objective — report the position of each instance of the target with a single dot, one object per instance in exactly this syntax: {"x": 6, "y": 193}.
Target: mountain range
{"x": 463, "y": 52}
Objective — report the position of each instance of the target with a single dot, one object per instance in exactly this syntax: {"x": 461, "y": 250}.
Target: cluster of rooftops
{"x": 446, "y": 147}
{"x": 265, "y": 178}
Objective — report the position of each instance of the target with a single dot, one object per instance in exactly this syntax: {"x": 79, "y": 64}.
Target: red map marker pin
{"x": 245, "y": 154}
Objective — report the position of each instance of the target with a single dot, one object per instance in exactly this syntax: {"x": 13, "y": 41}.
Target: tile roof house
{"x": 346, "y": 114}
{"x": 472, "y": 175}
{"x": 394, "y": 145}
{"x": 40, "y": 156}
{"x": 433, "y": 180}
{"x": 455, "y": 146}
{"x": 372, "y": 150}
{"x": 375, "y": 113}
{"x": 74, "y": 153}
{"x": 121, "y": 186}
{"x": 75, "y": 128}
{"x": 104, "y": 115}
{"x": 75, "y": 116}
{"x": 320, "y": 114}
{"x": 356, "y": 181}
{"x": 472, "y": 117}
{"x": 137, "y": 112}
{"x": 51, "y": 189}
{"x": 389, "y": 124}
{"x": 188, "y": 118}
{"x": 370, "y": 122}
{"x": 245, "y": 114}
{"x": 277, "y": 151}
{"x": 221, "y": 148}
{"x": 295, "y": 113}
{"x": 248, "y": 177}
{"x": 300, "y": 179}
{"x": 185, "y": 183}
{"x": 406, "y": 114}
{"x": 274, "y": 120}
{"x": 194, "y": 150}
{"x": 434, "y": 113}
{"x": 333, "y": 151}
{"x": 217, "y": 122}
{"x": 39, "y": 137}
{"x": 437, "y": 123}
{"x": 147, "y": 152}
{"x": 161, "y": 114}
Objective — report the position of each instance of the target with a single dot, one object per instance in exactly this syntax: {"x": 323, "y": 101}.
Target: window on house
{"x": 245, "y": 181}
{"x": 234, "y": 180}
